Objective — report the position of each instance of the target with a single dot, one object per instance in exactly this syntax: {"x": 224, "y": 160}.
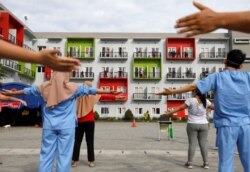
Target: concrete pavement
{"x": 118, "y": 147}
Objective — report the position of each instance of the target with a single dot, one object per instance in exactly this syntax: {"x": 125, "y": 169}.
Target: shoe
{"x": 91, "y": 164}
{"x": 188, "y": 165}
{"x": 205, "y": 165}
{"x": 74, "y": 164}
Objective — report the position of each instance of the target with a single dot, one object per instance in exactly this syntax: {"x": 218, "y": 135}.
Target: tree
{"x": 128, "y": 116}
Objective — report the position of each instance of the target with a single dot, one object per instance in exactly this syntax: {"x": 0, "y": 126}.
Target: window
{"x": 121, "y": 110}
{"x": 121, "y": 89}
{"x": 188, "y": 52}
{"x": 172, "y": 52}
{"x": 156, "y": 111}
{"x": 139, "y": 111}
{"x": 41, "y": 48}
{"x": 105, "y": 88}
{"x": 105, "y": 110}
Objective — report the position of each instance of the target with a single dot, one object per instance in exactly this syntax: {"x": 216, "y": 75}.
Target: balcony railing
{"x": 212, "y": 55}
{"x": 181, "y": 76}
{"x": 148, "y": 75}
{"x": 146, "y": 96}
{"x": 27, "y": 47}
{"x": 147, "y": 55}
{"x": 10, "y": 64}
{"x": 114, "y": 55}
{"x": 114, "y": 75}
{"x": 180, "y": 56}
{"x": 29, "y": 73}
{"x": 179, "y": 97}
{"x": 81, "y": 55}
{"x": 82, "y": 75}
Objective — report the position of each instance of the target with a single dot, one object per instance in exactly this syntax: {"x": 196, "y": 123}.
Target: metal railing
{"x": 114, "y": 55}
{"x": 82, "y": 75}
{"x": 177, "y": 75}
{"x": 118, "y": 75}
{"x": 10, "y": 64}
{"x": 184, "y": 55}
{"x": 212, "y": 55}
{"x": 81, "y": 55}
{"x": 146, "y": 96}
{"x": 148, "y": 75}
{"x": 147, "y": 54}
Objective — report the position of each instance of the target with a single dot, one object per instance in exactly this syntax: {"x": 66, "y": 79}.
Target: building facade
{"x": 137, "y": 64}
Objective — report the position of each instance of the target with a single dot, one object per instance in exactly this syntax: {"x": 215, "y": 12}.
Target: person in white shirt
{"x": 197, "y": 125}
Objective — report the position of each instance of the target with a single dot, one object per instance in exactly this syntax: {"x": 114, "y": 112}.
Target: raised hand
{"x": 198, "y": 23}
{"x": 49, "y": 58}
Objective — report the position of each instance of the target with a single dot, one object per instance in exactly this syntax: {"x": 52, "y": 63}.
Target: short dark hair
{"x": 235, "y": 58}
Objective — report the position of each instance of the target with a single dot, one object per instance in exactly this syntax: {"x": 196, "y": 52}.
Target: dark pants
{"x": 88, "y": 128}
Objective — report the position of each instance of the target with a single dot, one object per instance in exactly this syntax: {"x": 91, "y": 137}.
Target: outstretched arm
{"x": 184, "y": 89}
{"x": 10, "y": 92}
{"x": 182, "y": 107}
{"x": 100, "y": 91}
{"x": 207, "y": 20}
{"x": 3, "y": 97}
{"x": 46, "y": 57}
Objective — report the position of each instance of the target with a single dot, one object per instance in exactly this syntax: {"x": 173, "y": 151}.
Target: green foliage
{"x": 147, "y": 116}
{"x": 97, "y": 116}
{"x": 128, "y": 116}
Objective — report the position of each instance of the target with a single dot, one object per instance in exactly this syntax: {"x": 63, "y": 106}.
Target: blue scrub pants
{"x": 227, "y": 138}
{"x": 56, "y": 145}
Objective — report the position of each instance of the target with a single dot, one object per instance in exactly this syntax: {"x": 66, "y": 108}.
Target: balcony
{"x": 28, "y": 73}
{"x": 179, "y": 97}
{"x": 113, "y": 75}
{"x": 27, "y": 47}
{"x": 81, "y": 55}
{"x": 148, "y": 75}
{"x": 147, "y": 55}
{"x": 11, "y": 65}
{"x": 113, "y": 55}
{"x": 146, "y": 96}
{"x": 77, "y": 75}
{"x": 212, "y": 55}
{"x": 181, "y": 76}
{"x": 180, "y": 56}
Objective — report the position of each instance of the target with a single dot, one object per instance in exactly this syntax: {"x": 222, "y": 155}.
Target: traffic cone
{"x": 133, "y": 123}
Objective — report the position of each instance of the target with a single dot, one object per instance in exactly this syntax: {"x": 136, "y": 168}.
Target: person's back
{"x": 196, "y": 111}
{"x": 232, "y": 98}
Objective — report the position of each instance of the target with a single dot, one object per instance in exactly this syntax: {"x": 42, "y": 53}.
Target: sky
{"x": 110, "y": 15}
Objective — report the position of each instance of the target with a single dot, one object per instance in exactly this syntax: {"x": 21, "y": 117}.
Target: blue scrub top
{"x": 232, "y": 96}
{"x": 63, "y": 115}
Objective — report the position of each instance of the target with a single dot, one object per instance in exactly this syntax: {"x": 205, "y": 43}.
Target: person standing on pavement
{"x": 197, "y": 126}
{"x": 86, "y": 124}
{"x": 59, "y": 118}
{"x": 231, "y": 109}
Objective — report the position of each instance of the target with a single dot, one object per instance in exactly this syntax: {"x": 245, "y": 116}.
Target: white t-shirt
{"x": 196, "y": 112}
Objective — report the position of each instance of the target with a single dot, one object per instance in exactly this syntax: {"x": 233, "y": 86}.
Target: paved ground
{"x": 118, "y": 147}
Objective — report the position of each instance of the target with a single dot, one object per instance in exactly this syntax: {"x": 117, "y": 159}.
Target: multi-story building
{"x": 14, "y": 31}
{"x": 137, "y": 64}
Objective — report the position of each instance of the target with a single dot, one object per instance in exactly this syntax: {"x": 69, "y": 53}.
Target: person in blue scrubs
{"x": 231, "y": 109}
{"x": 59, "y": 118}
